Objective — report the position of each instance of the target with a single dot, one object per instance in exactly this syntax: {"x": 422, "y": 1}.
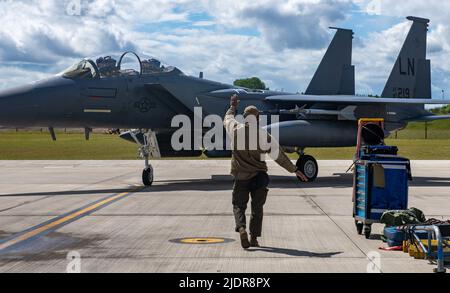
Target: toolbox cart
{"x": 380, "y": 177}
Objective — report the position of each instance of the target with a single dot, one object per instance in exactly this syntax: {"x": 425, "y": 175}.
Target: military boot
{"x": 254, "y": 242}
{"x": 244, "y": 238}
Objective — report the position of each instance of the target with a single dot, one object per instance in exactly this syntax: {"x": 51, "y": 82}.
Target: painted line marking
{"x": 97, "y": 111}
{"x": 202, "y": 240}
{"x": 59, "y": 167}
{"x": 64, "y": 220}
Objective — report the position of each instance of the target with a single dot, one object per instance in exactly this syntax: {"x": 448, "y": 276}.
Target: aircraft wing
{"x": 351, "y": 100}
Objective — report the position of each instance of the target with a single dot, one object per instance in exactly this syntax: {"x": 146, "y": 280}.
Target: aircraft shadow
{"x": 221, "y": 183}
{"x": 294, "y": 252}
{"x": 284, "y": 182}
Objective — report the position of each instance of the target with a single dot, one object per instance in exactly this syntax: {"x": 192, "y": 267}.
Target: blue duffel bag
{"x": 395, "y": 236}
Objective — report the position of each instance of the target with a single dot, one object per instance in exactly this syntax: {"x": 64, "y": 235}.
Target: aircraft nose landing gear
{"x": 308, "y": 165}
{"x": 148, "y": 148}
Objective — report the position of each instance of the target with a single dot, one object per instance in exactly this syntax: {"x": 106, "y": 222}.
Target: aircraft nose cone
{"x": 17, "y": 107}
{"x": 15, "y": 92}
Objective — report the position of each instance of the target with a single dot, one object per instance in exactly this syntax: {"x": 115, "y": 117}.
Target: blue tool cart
{"x": 381, "y": 178}
{"x": 372, "y": 199}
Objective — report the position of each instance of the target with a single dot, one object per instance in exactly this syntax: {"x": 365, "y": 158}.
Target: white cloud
{"x": 41, "y": 32}
{"x": 39, "y": 37}
{"x": 383, "y": 44}
{"x": 289, "y": 24}
{"x": 375, "y": 55}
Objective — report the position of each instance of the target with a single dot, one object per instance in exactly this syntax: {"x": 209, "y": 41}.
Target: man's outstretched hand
{"x": 234, "y": 101}
{"x": 301, "y": 176}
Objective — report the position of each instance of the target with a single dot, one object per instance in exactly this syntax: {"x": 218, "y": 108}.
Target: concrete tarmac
{"x": 97, "y": 210}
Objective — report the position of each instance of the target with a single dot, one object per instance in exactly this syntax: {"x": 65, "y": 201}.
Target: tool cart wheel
{"x": 367, "y": 231}
{"x": 359, "y": 227}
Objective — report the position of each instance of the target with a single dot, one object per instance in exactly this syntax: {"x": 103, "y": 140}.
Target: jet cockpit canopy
{"x": 109, "y": 67}
{"x": 84, "y": 69}
{"x": 149, "y": 66}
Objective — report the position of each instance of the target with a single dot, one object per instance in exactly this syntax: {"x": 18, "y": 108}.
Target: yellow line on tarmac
{"x": 63, "y": 220}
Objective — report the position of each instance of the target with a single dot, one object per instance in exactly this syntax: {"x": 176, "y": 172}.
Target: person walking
{"x": 249, "y": 170}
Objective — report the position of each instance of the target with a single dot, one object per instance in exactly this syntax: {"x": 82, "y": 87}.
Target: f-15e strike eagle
{"x": 102, "y": 94}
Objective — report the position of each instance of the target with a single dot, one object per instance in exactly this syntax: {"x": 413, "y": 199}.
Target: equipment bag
{"x": 401, "y": 218}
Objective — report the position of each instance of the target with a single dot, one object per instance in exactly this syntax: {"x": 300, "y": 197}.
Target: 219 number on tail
{"x": 404, "y": 93}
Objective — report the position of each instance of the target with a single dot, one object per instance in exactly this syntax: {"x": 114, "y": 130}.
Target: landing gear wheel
{"x": 359, "y": 227}
{"x": 367, "y": 231}
{"x": 308, "y": 165}
{"x": 147, "y": 176}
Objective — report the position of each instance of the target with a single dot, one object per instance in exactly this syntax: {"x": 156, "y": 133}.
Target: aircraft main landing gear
{"x": 149, "y": 148}
{"x": 309, "y": 166}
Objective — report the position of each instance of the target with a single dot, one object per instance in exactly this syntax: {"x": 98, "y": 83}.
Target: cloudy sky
{"x": 280, "y": 41}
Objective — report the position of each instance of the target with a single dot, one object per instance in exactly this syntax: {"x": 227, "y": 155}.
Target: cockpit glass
{"x": 108, "y": 67}
{"x": 81, "y": 70}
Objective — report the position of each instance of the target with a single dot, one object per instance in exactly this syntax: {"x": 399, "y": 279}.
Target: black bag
{"x": 260, "y": 181}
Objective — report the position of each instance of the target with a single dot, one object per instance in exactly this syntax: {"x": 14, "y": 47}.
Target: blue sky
{"x": 280, "y": 41}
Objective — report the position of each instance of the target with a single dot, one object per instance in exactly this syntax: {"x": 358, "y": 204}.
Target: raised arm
{"x": 230, "y": 121}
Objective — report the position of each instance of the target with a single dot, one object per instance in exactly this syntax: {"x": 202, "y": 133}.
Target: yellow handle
{"x": 363, "y": 120}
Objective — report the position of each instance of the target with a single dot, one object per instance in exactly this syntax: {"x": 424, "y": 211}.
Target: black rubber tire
{"x": 147, "y": 177}
{"x": 367, "y": 231}
{"x": 359, "y": 228}
{"x": 308, "y": 165}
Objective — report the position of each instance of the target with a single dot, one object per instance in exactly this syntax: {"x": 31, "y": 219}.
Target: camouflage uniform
{"x": 250, "y": 173}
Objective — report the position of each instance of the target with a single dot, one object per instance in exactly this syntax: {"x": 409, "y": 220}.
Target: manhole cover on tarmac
{"x": 202, "y": 240}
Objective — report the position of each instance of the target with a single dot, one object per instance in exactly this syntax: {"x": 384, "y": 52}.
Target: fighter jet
{"x": 103, "y": 94}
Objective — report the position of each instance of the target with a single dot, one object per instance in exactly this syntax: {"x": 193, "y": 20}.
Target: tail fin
{"x": 411, "y": 75}
{"x": 336, "y": 74}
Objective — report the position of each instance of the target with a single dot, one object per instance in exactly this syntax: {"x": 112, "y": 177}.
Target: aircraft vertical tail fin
{"x": 411, "y": 75}
{"x": 336, "y": 74}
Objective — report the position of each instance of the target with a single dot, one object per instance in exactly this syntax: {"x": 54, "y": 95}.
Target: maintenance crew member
{"x": 249, "y": 170}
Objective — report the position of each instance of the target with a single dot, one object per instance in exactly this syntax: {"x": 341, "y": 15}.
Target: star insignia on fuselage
{"x": 145, "y": 105}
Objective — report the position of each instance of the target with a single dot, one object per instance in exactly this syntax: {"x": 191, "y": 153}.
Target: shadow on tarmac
{"x": 224, "y": 182}
{"x": 294, "y": 252}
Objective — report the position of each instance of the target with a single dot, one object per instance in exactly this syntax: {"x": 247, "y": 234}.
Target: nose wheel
{"x": 148, "y": 176}
{"x": 308, "y": 165}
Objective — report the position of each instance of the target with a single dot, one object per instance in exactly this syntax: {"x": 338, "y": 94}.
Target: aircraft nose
{"x": 17, "y": 106}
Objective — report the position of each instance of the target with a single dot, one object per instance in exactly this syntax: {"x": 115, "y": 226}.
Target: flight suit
{"x": 249, "y": 170}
